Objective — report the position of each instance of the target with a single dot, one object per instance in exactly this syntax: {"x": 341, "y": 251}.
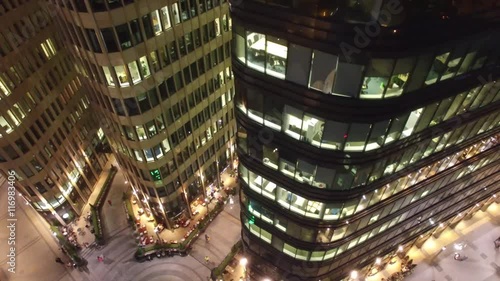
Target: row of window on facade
{"x": 16, "y": 74}
{"x": 188, "y": 8}
{"x": 19, "y": 111}
{"x": 273, "y": 113}
{"x": 136, "y": 71}
{"x": 168, "y": 88}
{"x": 74, "y": 163}
{"x": 58, "y": 196}
{"x": 328, "y": 235}
{"x": 343, "y": 177}
{"x": 405, "y": 221}
{"x": 181, "y": 157}
{"x": 343, "y": 210}
{"x": 170, "y": 173}
{"x": 40, "y": 160}
{"x": 154, "y": 24}
{"x": 381, "y": 78}
{"x": 157, "y": 152}
{"x": 186, "y": 176}
{"x": 158, "y": 124}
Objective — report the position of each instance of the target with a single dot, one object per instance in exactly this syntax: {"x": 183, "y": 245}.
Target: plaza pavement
{"x": 435, "y": 264}
{"x": 37, "y": 248}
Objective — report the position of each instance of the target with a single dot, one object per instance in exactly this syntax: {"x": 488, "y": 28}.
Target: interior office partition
{"x": 48, "y": 136}
{"x": 163, "y": 87}
{"x": 364, "y": 127}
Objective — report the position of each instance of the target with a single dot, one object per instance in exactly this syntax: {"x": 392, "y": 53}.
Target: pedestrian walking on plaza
{"x": 59, "y": 260}
{"x": 100, "y": 258}
{"x": 109, "y": 202}
{"x": 207, "y": 259}
{"x": 207, "y": 237}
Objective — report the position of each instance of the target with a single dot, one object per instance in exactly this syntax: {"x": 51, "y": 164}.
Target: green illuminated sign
{"x": 155, "y": 175}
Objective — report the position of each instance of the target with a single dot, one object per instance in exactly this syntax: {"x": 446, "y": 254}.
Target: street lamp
{"x": 243, "y": 262}
{"x": 218, "y": 174}
{"x": 354, "y": 275}
{"x": 206, "y": 202}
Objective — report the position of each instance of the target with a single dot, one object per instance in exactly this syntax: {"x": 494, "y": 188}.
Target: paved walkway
{"x": 37, "y": 248}
{"x": 434, "y": 264}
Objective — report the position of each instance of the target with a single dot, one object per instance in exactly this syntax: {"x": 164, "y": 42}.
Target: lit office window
{"x": 239, "y": 43}
{"x": 175, "y": 12}
{"x": 453, "y": 64}
{"x": 399, "y": 77}
{"x": 48, "y": 50}
{"x": 165, "y": 18}
{"x": 3, "y": 88}
{"x": 144, "y": 67}
{"x": 155, "y": 18}
{"x": 276, "y": 51}
{"x": 256, "y": 50}
{"x": 122, "y": 76}
{"x": 292, "y": 121}
{"x": 166, "y": 145}
{"x": 412, "y": 122}
{"x": 5, "y": 125}
{"x": 437, "y": 69}
{"x": 109, "y": 77}
{"x": 217, "y": 27}
{"x": 376, "y": 79}
{"x": 134, "y": 72}
{"x": 138, "y": 155}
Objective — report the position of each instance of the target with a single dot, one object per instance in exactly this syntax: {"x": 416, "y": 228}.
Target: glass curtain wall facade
{"x": 48, "y": 135}
{"x": 163, "y": 87}
{"x": 358, "y": 139}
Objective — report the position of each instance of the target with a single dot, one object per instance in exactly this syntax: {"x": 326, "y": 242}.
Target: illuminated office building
{"x": 162, "y": 82}
{"x": 364, "y": 127}
{"x": 47, "y": 134}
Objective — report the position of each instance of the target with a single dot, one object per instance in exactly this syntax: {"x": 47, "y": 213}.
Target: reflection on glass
{"x": 323, "y": 71}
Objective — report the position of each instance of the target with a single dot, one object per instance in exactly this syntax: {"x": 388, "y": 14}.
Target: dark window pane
{"x": 148, "y": 28}
{"x": 109, "y": 39}
{"x": 124, "y": 36}
{"x": 136, "y": 31}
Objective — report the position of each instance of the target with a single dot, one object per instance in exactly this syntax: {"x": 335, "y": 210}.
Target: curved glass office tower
{"x": 160, "y": 71}
{"x": 364, "y": 127}
{"x": 48, "y": 136}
